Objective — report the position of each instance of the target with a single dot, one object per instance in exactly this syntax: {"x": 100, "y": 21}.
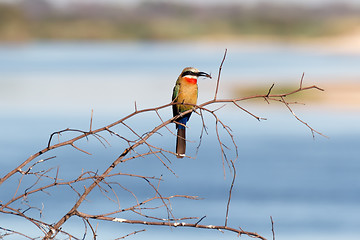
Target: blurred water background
{"x": 51, "y": 80}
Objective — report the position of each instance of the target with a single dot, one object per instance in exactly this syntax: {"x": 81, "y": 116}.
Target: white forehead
{"x": 192, "y": 69}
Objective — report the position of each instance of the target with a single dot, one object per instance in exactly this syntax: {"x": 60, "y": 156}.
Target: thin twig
{"x": 230, "y": 192}
{"x": 301, "y": 80}
{"x": 91, "y": 119}
{"x": 272, "y": 228}
{"x": 218, "y": 79}
{"x": 311, "y": 129}
{"x": 133, "y": 233}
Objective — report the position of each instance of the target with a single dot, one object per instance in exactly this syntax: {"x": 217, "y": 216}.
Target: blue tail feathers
{"x": 182, "y": 120}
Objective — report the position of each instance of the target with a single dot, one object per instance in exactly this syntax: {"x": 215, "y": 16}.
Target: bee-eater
{"x": 185, "y": 92}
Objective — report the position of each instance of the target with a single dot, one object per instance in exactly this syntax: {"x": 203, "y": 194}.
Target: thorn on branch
{"x": 267, "y": 95}
{"x": 301, "y": 81}
{"x": 200, "y": 220}
{"x": 91, "y": 119}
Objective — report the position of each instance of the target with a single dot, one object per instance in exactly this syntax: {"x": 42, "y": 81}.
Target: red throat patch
{"x": 191, "y": 80}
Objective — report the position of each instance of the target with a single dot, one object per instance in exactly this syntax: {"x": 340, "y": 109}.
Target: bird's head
{"x": 191, "y": 74}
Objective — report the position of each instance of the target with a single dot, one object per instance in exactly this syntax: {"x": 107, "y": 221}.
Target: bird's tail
{"x": 180, "y": 143}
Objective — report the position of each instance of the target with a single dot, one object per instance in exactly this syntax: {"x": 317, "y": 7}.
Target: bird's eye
{"x": 188, "y": 73}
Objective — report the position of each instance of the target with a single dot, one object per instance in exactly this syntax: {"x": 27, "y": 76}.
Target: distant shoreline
{"x": 348, "y": 43}
{"x": 343, "y": 44}
{"x": 339, "y": 96}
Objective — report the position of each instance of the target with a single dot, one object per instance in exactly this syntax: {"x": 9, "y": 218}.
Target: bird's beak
{"x": 203, "y": 74}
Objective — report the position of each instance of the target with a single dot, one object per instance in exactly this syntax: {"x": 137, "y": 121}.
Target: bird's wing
{"x": 174, "y": 98}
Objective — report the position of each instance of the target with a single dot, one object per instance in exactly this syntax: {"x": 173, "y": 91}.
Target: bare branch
{"x": 175, "y": 224}
{"x": 108, "y": 183}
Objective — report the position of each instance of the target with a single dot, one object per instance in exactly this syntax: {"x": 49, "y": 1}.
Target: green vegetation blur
{"x": 41, "y": 20}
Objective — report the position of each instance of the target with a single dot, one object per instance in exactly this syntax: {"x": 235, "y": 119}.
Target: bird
{"x": 185, "y": 92}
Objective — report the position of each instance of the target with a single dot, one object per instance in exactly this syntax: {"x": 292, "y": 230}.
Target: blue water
{"x": 311, "y": 187}
{"x": 144, "y": 57}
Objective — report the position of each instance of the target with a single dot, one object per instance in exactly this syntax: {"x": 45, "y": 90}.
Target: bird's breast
{"x": 188, "y": 94}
